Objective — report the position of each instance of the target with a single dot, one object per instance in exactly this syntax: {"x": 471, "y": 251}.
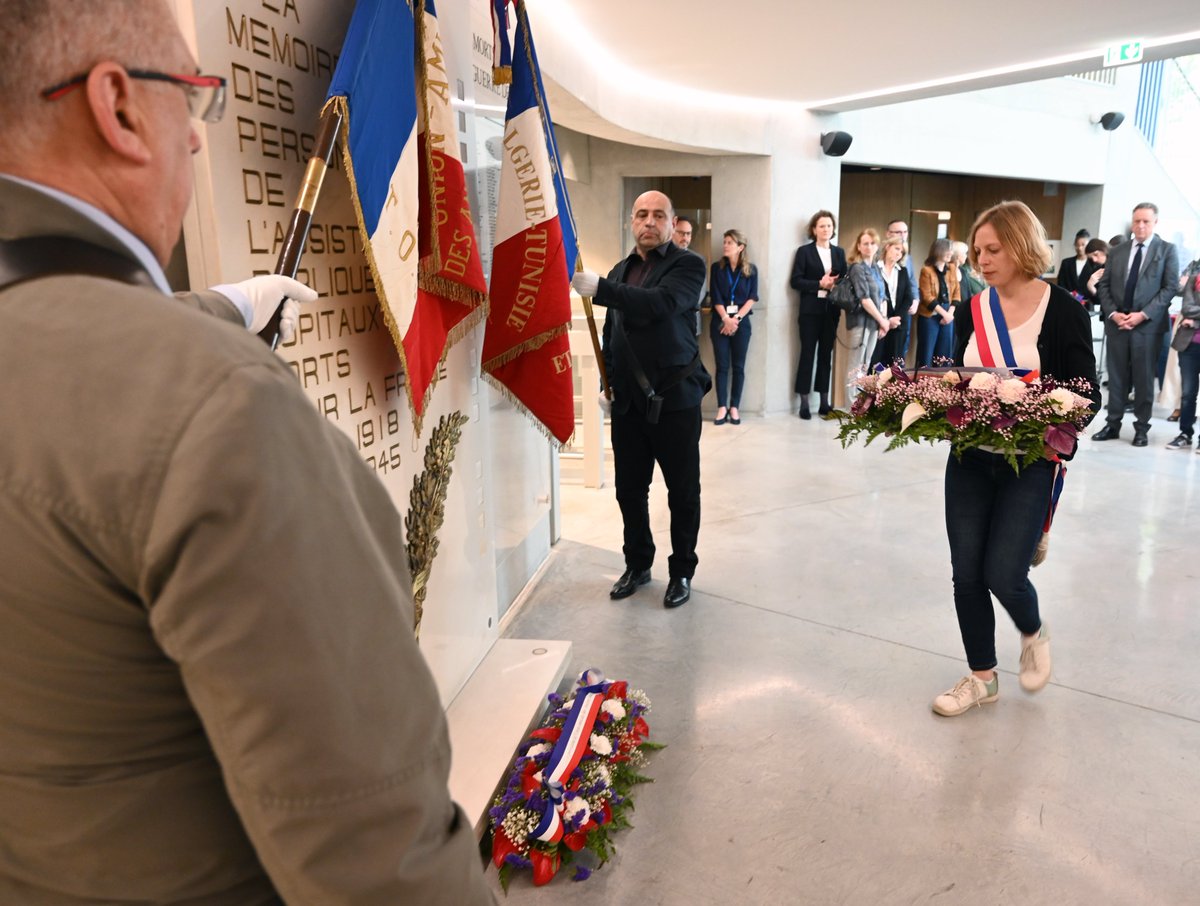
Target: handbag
{"x": 843, "y": 296}
{"x": 1183, "y": 335}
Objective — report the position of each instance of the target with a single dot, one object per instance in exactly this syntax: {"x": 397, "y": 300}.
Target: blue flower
{"x": 581, "y": 873}
{"x": 517, "y": 861}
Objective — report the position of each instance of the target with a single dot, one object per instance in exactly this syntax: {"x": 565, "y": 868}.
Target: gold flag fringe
{"x": 537, "y": 422}
{"x": 427, "y": 508}
{"x": 528, "y": 346}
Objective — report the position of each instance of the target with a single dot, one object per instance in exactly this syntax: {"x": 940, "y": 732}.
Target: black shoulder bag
{"x": 654, "y": 398}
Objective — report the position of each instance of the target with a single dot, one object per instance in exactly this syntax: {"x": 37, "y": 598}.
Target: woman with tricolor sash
{"x": 995, "y": 515}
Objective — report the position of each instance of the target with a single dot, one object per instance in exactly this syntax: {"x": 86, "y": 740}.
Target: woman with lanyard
{"x": 734, "y": 287}
{"x": 870, "y": 322}
{"x": 995, "y": 515}
{"x": 938, "y": 283}
{"x": 894, "y": 276}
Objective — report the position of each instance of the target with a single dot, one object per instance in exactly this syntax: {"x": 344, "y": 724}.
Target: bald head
{"x": 46, "y": 42}
{"x": 653, "y": 221}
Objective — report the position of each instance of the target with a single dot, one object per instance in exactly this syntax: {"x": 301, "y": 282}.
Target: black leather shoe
{"x": 805, "y": 413}
{"x": 678, "y": 592}
{"x": 1140, "y": 439}
{"x": 1108, "y": 432}
{"x": 823, "y": 411}
{"x": 629, "y": 582}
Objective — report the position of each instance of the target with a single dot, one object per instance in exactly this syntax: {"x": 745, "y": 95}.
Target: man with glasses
{"x": 209, "y": 687}
{"x": 898, "y": 229}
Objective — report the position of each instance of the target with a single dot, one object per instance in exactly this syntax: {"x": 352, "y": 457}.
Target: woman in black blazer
{"x": 816, "y": 268}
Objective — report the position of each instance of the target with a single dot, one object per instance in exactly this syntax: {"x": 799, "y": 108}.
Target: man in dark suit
{"x": 1139, "y": 282}
{"x": 657, "y": 380}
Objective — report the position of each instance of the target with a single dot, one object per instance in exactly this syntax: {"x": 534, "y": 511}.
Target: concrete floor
{"x": 804, "y": 764}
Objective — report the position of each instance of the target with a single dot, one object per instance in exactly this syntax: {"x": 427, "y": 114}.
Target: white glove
{"x": 586, "y": 283}
{"x": 605, "y": 404}
{"x": 258, "y": 297}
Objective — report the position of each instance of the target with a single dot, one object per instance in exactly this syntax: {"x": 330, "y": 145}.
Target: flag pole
{"x": 588, "y": 311}
{"x": 306, "y": 202}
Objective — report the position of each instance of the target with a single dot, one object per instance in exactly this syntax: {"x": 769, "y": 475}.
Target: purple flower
{"x": 581, "y": 873}
{"x": 956, "y": 415}
{"x": 1003, "y": 422}
{"x": 517, "y": 861}
{"x": 1061, "y": 438}
{"x": 861, "y": 404}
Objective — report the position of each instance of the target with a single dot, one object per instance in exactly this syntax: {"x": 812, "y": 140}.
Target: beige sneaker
{"x": 1035, "y": 661}
{"x": 967, "y": 692}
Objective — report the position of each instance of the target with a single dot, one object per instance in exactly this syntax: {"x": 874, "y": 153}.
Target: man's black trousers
{"x": 674, "y": 443}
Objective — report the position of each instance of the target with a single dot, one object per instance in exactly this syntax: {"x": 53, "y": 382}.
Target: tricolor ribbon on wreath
{"x": 570, "y": 747}
{"x": 992, "y": 338}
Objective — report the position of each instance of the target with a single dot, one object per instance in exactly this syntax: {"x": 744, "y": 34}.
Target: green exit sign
{"x": 1120, "y": 54}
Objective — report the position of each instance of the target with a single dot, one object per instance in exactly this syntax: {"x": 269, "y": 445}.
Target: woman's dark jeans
{"x": 994, "y": 519}
{"x": 935, "y": 340}
{"x": 727, "y": 350}
{"x": 1189, "y": 373}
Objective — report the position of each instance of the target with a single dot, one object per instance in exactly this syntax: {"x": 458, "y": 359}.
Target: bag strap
{"x": 639, "y": 374}
{"x": 22, "y": 260}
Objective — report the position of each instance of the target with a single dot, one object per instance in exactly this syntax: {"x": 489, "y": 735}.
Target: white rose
{"x": 1011, "y": 390}
{"x": 982, "y": 380}
{"x": 912, "y": 412}
{"x": 1063, "y": 398}
{"x": 951, "y": 377}
{"x": 600, "y": 744}
{"x": 613, "y": 708}
{"x": 539, "y": 749}
{"x": 883, "y": 377}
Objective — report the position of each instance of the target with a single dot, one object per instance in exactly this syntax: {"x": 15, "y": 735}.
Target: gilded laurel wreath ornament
{"x": 427, "y": 507}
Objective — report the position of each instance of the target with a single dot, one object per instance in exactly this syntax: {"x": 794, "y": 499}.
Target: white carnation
{"x": 576, "y": 806}
{"x": 539, "y": 749}
{"x": 982, "y": 380}
{"x": 1011, "y": 390}
{"x": 614, "y": 709}
{"x": 1064, "y": 399}
{"x": 951, "y": 377}
{"x": 600, "y": 744}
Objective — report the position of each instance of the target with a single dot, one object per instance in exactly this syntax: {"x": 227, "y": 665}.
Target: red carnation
{"x": 617, "y": 689}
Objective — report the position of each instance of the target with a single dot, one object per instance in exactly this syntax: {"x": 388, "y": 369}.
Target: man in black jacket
{"x": 657, "y": 381}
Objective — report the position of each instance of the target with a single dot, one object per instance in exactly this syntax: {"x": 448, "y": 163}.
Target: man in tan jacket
{"x": 209, "y": 688}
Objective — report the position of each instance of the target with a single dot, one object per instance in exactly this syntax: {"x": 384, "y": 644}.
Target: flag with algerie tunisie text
{"x": 406, "y": 179}
{"x": 526, "y": 350}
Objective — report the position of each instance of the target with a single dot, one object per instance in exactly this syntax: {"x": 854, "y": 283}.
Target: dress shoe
{"x": 805, "y": 413}
{"x": 1140, "y": 439}
{"x": 678, "y": 592}
{"x": 721, "y": 420}
{"x": 734, "y": 419}
{"x": 629, "y": 582}
{"x": 1174, "y": 416}
{"x": 823, "y": 411}
{"x": 1108, "y": 432}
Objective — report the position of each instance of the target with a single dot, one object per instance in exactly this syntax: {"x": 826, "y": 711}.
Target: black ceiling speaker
{"x": 835, "y": 144}
{"x": 1111, "y": 120}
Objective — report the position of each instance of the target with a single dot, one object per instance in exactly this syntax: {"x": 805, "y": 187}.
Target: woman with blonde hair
{"x": 995, "y": 514}
{"x": 869, "y": 322}
{"x": 897, "y": 291}
{"x": 734, "y": 287}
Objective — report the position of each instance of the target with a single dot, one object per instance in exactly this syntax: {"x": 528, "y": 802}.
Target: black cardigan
{"x": 1064, "y": 343}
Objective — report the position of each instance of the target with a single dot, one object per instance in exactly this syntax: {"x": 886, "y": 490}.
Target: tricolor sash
{"x": 991, "y": 331}
{"x": 572, "y": 745}
{"x": 995, "y": 350}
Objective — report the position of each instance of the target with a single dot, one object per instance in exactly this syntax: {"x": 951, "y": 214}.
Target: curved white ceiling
{"x": 841, "y": 56}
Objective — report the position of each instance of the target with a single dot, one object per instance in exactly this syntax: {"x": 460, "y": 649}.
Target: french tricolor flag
{"x": 526, "y": 351}
{"x": 374, "y": 88}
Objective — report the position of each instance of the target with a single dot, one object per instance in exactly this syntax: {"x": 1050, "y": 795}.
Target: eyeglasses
{"x": 205, "y": 93}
